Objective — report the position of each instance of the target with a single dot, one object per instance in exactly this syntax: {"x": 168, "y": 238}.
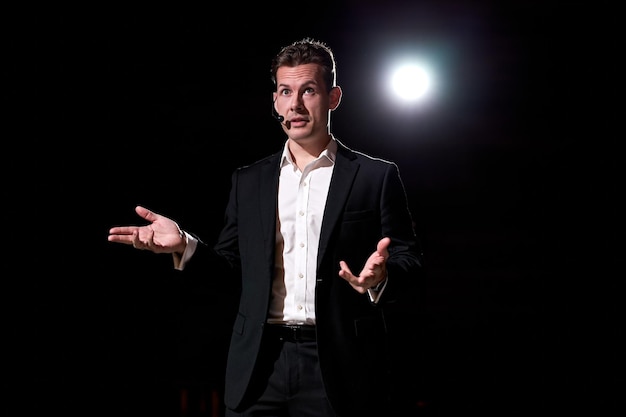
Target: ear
{"x": 335, "y": 97}
{"x": 274, "y": 97}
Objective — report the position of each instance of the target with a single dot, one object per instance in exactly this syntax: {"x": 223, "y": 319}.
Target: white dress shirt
{"x": 301, "y": 203}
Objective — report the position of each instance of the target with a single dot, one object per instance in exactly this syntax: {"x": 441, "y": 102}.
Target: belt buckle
{"x": 295, "y": 331}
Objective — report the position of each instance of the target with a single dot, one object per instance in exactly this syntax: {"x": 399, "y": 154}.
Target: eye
{"x": 309, "y": 90}
{"x": 284, "y": 92}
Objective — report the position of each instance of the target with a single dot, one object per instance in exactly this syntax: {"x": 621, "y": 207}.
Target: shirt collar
{"x": 330, "y": 152}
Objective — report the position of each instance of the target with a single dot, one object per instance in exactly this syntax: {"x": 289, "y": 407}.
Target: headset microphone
{"x": 277, "y": 116}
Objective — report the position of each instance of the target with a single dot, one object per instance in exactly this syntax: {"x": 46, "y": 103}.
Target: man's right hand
{"x": 161, "y": 235}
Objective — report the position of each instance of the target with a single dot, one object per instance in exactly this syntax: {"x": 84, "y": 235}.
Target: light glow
{"x": 411, "y": 82}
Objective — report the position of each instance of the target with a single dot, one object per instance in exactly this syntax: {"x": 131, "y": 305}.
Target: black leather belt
{"x": 292, "y": 332}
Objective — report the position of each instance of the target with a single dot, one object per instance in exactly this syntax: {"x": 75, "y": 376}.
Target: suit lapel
{"x": 268, "y": 186}
{"x": 340, "y": 185}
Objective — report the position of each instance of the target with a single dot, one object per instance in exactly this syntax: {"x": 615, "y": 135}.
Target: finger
{"x": 120, "y": 239}
{"x": 382, "y": 246}
{"x": 122, "y": 230}
{"x": 146, "y": 237}
{"x": 135, "y": 241}
{"x": 344, "y": 271}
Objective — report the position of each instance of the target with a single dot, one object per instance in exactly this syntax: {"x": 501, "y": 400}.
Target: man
{"x": 312, "y": 336}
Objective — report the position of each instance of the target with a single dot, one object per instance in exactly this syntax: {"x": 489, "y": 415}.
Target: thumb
{"x": 146, "y": 214}
{"x": 382, "y": 246}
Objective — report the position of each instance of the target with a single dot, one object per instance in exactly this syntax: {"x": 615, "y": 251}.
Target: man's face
{"x": 302, "y": 99}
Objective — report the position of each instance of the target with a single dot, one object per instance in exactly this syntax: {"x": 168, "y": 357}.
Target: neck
{"x": 304, "y": 152}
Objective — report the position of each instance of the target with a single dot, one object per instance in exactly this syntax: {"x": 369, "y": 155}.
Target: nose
{"x": 296, "y": 103}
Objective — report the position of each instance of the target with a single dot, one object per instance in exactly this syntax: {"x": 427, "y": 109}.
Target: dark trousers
{"x": 290, "y": 383}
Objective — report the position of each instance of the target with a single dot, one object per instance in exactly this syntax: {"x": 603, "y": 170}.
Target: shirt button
{"x": 299, "y": 307}
{"x": 300, "y": 276}
{"x": 301, "y": 245}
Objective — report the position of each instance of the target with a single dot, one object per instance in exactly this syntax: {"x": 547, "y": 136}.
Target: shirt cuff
{"x": 181, "y": 260}
{"x": 375, "y": 293}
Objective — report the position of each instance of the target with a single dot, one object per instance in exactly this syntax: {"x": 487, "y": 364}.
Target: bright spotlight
{"x": 411, "y": 82}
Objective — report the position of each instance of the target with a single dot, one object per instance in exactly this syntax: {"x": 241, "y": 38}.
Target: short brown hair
{"x": 307, "y": 51}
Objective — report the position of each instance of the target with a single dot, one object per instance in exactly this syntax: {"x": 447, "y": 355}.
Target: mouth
{"x": 298, "y": 121}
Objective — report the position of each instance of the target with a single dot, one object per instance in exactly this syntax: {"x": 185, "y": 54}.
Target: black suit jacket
{"x": 366, "y": 202}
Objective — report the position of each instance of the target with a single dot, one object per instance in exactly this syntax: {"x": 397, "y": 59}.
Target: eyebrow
{"x": 306, "y": 84}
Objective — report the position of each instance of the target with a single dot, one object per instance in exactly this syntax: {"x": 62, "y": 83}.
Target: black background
{"x": 509, "y": 177}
